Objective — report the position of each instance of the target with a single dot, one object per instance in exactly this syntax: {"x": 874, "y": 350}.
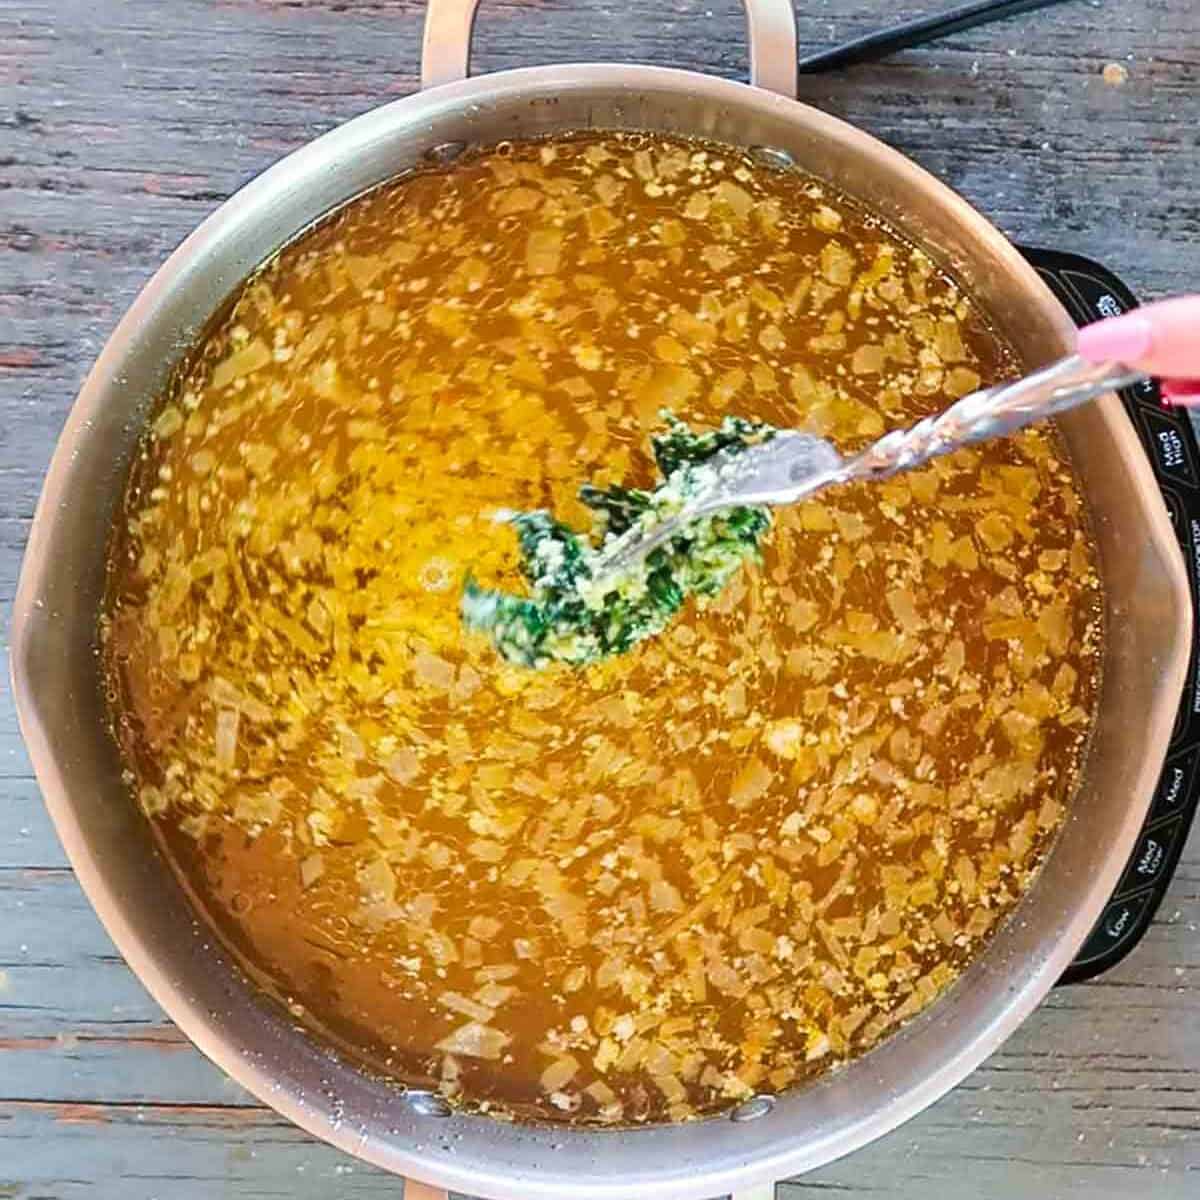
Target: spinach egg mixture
{"x": 640, "y": 889}
{"x": 579, "y": 614}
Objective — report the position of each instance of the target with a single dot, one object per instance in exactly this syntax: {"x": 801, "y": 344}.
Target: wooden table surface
{"x": 124, "y": 122}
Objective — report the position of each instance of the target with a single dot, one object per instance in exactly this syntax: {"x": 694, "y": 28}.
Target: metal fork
{"x": 795, "y": 465}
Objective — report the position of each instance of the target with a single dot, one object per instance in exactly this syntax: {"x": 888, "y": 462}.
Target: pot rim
{"x": 1007, "y": 1007}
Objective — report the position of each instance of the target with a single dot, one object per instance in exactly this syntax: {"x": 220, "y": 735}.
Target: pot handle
{"x": 422, "y": 1191}
{"x": 446, "y": 49}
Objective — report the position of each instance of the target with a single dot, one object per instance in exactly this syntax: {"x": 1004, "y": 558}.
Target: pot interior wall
{"x": 62, "y": 708}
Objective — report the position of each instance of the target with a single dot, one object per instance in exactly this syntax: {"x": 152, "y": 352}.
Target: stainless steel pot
{"x": 61, "y": 708}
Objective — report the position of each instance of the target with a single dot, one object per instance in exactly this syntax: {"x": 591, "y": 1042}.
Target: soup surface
{"x": 640, "y": 891}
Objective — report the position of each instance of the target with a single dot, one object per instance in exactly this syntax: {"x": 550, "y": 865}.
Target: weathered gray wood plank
{"x": 124, "y": 122}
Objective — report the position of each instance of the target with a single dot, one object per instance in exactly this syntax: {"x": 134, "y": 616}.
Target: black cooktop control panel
{"x": 1089, "y": 293}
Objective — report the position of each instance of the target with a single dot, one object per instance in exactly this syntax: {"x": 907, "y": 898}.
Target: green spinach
{"x": 566, "y": 617}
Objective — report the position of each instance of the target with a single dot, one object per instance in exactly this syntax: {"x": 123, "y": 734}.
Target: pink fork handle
{"x": 1162, "y": 339}
{"x": 1182, "y": 391}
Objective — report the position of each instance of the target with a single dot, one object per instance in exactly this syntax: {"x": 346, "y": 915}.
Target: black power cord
{"x": 917, "y": 32}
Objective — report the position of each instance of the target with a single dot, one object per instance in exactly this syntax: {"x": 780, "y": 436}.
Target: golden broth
{"x": 642, "y": 891}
